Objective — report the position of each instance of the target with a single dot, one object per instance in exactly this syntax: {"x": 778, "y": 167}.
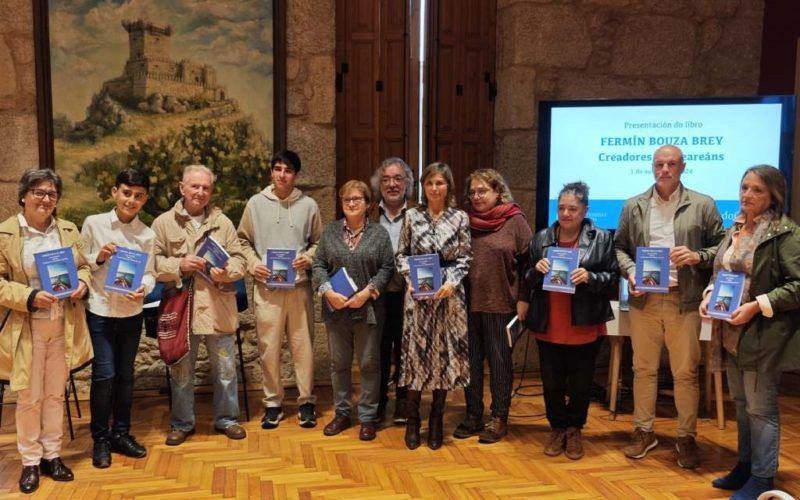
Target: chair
{"x": 70, "y": 387}
{"x": 151, "y": 322}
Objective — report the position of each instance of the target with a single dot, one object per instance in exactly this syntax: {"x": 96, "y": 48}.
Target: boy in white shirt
{"x": 115, "y": 319}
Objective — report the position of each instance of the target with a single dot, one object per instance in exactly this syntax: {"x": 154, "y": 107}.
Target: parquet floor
{"x": 291, "y": 462}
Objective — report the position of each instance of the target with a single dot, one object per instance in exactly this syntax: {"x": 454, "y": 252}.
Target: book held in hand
{"x": 343, "y": 284}
{"x": 57, "y": 271}
{"x": 126, "y": 270}
{"x": 562, "y": 262}
{"x": 214, "y": 255}
{"x": 624, "y": 295}
{"x": 652, "y": 269}
{"x": 514, "y": 330}
{"x": 727, "y": 294}
{"x": 425, "y": 274}
{"x": 279, "y": 263}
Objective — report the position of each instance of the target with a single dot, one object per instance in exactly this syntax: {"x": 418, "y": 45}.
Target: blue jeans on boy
{"x": 115, "y": 342}
{"x": 756, "y": 398}
{"x": 221, "y": 358}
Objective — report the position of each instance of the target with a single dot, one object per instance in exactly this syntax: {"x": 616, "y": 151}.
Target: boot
{"x": 435, "y": 424}
{"x": 101, "y": 400}
{"x": 412, "y": 422}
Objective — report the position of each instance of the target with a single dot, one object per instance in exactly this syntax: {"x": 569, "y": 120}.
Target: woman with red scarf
{"x": 500, "y": 236}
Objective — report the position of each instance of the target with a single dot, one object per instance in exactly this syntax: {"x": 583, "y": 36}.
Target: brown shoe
{"x": 688, "y": 452}
{"x": 555, "y": 445}
{"x": 177, "y": 436}
{"x": 368, "y": 430}
{"x": 337, "y": 425}
{"x": 573, "y": 448}
{"x": 233, "y": 431}
{"x": 471, "y": 425}
{"x": 494, "y": 431}
{"x": 641, "y": 442}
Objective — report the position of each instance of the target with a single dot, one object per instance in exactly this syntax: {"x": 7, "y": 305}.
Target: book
{"x": 727, "y": 294}
{"x": 652, "y": 269}
{"x": 426, "y": 275}
{"x": 214, "y": 255}
{"x": 514, "y": 330}
{"x": 562, "y": 262}
{"x": 126, "y": 270}
{"x": 343, "y": 284}
{"x": 57, "y": 271}
{"x": 279, "y": 263}
{"x": 624, "y": 294}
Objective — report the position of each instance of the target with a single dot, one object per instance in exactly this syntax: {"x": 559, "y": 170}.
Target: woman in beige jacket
{"x": 41, "y": 337}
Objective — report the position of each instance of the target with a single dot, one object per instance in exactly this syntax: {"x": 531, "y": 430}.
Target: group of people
{"x": 492, "y": 269}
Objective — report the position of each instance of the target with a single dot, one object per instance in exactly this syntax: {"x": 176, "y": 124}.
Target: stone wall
{"x": 18, "y": 129}
{"x": 552, "y": 49}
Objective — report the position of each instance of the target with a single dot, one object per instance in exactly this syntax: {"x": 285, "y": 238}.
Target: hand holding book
{"x": 106, "y": 251}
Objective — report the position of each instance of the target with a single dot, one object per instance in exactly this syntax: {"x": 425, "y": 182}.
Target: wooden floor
{"x": 291, "y": 462}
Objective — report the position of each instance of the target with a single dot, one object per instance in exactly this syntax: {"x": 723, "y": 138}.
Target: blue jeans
{"x": 343, "y": 339}
{"x": 221, "y": 357}
{"x": 115, "y": 342}
{"x": 756, "y": 398}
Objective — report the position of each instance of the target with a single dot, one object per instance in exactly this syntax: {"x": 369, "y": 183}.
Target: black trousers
{"x": 391, "y": 337}
{"x": 488, "y": 340}
{"x": 567, "y": 373}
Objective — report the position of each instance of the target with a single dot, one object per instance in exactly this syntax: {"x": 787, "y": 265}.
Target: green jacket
{"x": 769, "y": 343}
{"x": 698, "y": 226}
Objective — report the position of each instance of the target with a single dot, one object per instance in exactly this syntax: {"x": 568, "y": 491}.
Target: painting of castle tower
{"x": 151, "y": 70}
{"x": 156, "y": 85}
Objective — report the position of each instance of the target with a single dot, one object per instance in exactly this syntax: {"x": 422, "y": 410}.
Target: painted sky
{"x": 88, "y": 46}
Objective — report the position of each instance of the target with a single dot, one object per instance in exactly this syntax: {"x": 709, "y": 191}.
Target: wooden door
{"x": 371, "y": 85}
{"x": 462, "y": 87}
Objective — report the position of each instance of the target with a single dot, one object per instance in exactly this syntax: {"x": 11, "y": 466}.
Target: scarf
{"x": 494, "y": 218}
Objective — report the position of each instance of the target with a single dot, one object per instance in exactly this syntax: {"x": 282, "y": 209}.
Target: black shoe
{"x": 307, "y": 415}
{"x": 29, "y": 479}
{"x": 272, "y": 417}
{"x": 471, "y": 426}
{"x": 56, "y": 469}
{"x": 101, "y": 454}
{"x": 125, "y": 444}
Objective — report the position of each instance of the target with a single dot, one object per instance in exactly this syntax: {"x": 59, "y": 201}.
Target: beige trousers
{"x": 40, "y": 407}
{"x": 661, "y": 323}
{"x": 289, "y": 311}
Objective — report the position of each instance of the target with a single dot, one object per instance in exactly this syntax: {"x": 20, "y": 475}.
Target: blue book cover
{"x": 126, "y": 270}
{"x": 562, "y": 262}
{"x": 652, "y": 269}
{"x": 727, "y": 294}
{"x": 214, "y": 255}
{"x": 426, "y": 275}
{"x": 57, "y": 271}
{"x": 343, "y": 284}
{"x": 279, "y": 263}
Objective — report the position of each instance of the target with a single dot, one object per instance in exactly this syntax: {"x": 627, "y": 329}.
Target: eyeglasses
{"x": 397, "y": 178}
{"x": 478, "y": 193}
{"x": 40, "y": 194}
{"x": 356, "y": 200}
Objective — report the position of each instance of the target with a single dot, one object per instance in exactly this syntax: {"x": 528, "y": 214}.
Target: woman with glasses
{"x": 570, "y": 327}
{"x": 434, "y": 351}
{"x": 42, "y": 337}
{"x": 500, "y": 237}
{"x": 364, "y": 251}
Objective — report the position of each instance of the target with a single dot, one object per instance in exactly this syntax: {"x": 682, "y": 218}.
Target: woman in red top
{"x": 567, "y": 326}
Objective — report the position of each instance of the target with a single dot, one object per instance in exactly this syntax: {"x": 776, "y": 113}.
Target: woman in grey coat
{"x": 364, "y": 250}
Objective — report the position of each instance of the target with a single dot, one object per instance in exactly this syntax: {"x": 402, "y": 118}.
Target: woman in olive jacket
{"x": 761, "y": 339}
{"x": 569, "y": 327}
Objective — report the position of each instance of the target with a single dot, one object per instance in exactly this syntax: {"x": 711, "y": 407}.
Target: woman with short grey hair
{"x": 42, "y": 337}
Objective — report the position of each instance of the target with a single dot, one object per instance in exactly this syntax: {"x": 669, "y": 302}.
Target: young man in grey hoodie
{"x": 282, "y": 217}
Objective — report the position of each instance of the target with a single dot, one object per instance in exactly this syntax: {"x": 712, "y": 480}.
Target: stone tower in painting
{"x": 150, "y": 70}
